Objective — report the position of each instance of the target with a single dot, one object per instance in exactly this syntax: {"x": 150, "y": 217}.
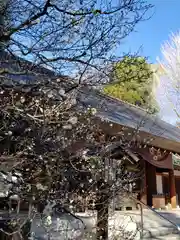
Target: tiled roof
{"x": 114, "y": 110}
{"x": 128, "y": 115}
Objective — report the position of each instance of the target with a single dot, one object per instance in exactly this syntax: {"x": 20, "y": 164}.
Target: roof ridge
{"x": 122, "y": 101}
{"x": 134, "y": 106}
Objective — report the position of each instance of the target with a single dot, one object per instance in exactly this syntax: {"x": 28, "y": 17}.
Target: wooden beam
{"x": 172, "y": 188}
{"x": 150, "y": 182}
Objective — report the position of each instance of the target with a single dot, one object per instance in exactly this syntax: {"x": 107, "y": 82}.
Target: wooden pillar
{"x": 150, "y": 183}
{"x": 172, "y": 188}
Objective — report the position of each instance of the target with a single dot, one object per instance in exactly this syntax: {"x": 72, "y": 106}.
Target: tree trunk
{"x": 102, "y": 218}
{"x": 26, "y": 230}
{"x": 3, "y": 4}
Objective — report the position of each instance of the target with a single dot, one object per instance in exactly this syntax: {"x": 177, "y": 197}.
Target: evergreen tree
{"x": 132, "y": 81}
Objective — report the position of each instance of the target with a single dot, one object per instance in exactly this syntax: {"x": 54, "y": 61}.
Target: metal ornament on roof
{"x": 176, "y": 159}
{"x": 157, "y": 154}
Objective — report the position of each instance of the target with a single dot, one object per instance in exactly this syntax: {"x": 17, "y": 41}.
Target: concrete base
{"x": 159, "y": 202}
{"x": 173, "y": 202}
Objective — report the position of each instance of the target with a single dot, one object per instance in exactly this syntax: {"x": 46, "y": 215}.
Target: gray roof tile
{"x": 129, "y": 115}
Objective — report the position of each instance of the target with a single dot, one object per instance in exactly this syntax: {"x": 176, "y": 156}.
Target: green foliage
{"x": 133, "y": 82}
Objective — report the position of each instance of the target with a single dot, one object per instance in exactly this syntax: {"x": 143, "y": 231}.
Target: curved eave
{"x": 143, "y": 137}
{"x": 124, "y": 114}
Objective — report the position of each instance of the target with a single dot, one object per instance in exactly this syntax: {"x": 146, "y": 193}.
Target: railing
{"x": 142, "y": 221}
{"x": 141, "y": 204}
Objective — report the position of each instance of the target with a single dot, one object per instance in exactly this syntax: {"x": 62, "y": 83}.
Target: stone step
{"x": 160, "y": 232}
{"x": 167, "y": 237}
{"x": 155, "y": 227}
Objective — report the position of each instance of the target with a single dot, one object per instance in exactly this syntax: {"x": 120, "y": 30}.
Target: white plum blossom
{"x": 39, "y": 186}
{"x": 22, "y": 100}
{"x": 62, "y": 92}
{"x": 67, "y": 127}
{"x": 9, "y": 133}
{"x": 93, "y": 111}
{"x": 73, "y": 120}
{"x": 48, "y": 221}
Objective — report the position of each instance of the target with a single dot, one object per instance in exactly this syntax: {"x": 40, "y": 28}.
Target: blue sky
{"x": 150, "y": 35}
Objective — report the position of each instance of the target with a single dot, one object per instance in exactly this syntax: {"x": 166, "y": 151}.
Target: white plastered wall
{"x": 159, "y": 184}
